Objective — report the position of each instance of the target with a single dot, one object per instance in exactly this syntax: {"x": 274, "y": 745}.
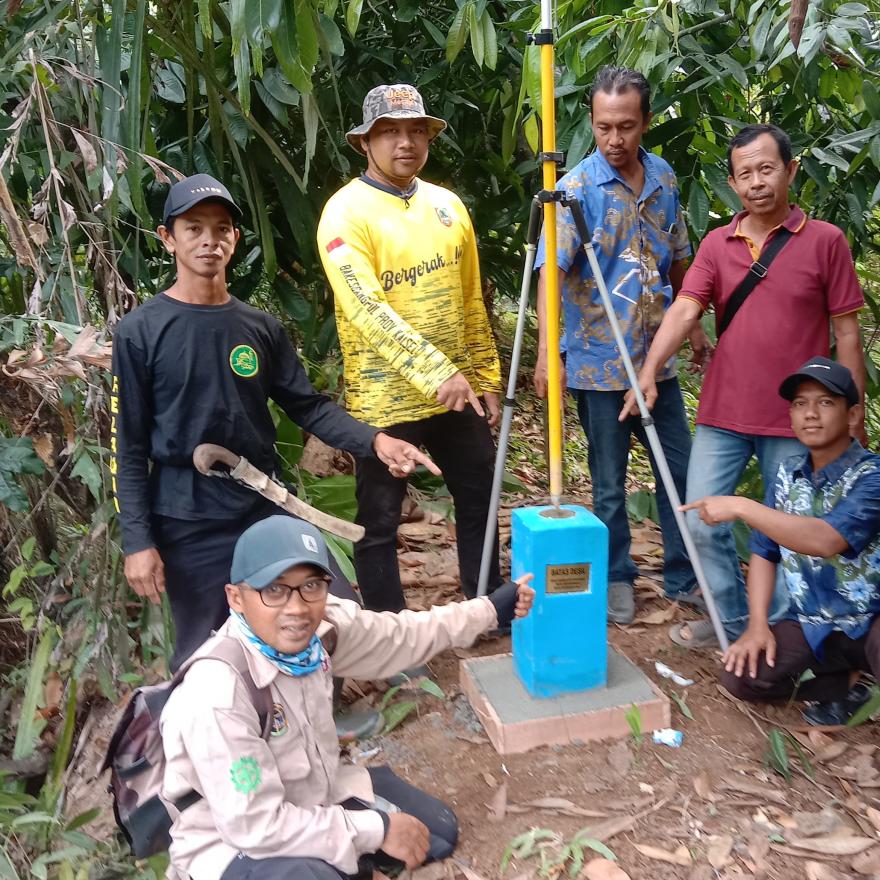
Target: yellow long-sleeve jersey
{"x": 409, "y": 305}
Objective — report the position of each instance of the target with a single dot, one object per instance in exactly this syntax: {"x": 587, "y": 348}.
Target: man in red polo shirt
{"x": 782, "y": 323}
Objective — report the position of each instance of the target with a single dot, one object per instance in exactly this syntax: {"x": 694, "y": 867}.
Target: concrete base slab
{"x": 516, "y": 722}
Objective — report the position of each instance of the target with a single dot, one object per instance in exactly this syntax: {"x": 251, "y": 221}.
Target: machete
{"x": 208, "y": 455}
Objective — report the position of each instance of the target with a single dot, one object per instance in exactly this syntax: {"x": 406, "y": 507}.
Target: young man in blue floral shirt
{"x": 821, "y": 523}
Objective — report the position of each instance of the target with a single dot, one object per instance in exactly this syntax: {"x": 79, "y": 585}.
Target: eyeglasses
{"x": 314, "y": 590}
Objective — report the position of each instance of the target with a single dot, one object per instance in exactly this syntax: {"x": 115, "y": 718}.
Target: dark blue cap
{"x": 190, "y": 191}
{"x": 268, "y": 548}
{"x": 834, "y": 376}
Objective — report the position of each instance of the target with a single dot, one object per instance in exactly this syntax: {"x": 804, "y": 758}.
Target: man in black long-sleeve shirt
{"x": 195, "y": 365}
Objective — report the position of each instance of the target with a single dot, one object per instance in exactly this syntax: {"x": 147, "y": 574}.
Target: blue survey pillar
{"x": 561, "y": 646}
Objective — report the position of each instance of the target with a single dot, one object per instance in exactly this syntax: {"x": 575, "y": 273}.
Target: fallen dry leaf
{"x": 874, "y": 817}
{"x": 680, "y": 857}
{"x": 731, "y": 783}
{"x": 818, "y": 739}
{"x": 825, "y": 822}
{"x": 489, "y": 779}
{"x": 833, "y": 845}
{"x": 867, "y": 862}
{"x": 830, "y": 752}
{"x": 469, "y": 873}
{"x": 498, "y": 805}
{"x": 718, "y": 851}
{"x": 562, "y": 805}
{"x": 703, "y": 786}
{"x": 820, "y": 871}
{"x": 656, "y": 618}
{"x": 603, "y": 869}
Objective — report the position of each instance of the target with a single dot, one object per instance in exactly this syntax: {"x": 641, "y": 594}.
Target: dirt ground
{"x": 711, "y": 808}
{"x": 711, "y": 799}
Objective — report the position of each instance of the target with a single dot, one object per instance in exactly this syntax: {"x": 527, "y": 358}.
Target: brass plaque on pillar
{"x": 568, "y": 578}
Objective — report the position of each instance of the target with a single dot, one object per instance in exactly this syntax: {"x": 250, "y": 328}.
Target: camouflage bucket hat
{"x": 392, "y": 102}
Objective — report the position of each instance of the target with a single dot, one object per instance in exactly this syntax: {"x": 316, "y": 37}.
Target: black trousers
{"x": 198, "y": 557}
{"x": 441, "y": 821}
{"x": 461, "y": 445}
{"x": 841, "y": 655}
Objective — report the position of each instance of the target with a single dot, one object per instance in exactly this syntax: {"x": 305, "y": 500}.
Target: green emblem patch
{"x": 244, "y": 361}
{"x": 245, "y": 774}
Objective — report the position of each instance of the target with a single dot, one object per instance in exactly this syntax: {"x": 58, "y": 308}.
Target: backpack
{"x": 136, "y": 757}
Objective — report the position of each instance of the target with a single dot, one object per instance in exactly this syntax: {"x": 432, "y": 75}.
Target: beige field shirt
{"x": 281, "y": 797}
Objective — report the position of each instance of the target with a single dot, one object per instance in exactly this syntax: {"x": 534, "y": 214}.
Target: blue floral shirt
{"x": 636, "y": 237}
{"x": 840, "y": 592}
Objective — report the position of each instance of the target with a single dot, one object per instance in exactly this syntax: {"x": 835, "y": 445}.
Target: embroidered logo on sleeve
{"x": 245, "y": 775}
{"x": 244, "y": 361}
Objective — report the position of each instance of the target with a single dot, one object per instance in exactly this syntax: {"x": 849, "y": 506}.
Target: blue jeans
{"x": 608, "y": 455}
{"x": 718, "y": 459}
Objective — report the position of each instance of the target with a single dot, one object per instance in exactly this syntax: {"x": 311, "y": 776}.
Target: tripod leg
{"x": 647, "y": 421}
{"x": 509, "y": 400}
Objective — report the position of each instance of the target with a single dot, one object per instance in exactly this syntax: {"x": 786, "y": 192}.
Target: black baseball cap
{"x": 190, "y": 191}
{"x": 834, "y": 376}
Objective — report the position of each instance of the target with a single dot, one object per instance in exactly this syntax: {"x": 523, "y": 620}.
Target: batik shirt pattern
{"x": 841, "y": 592}
{"x": 636, "y": 239}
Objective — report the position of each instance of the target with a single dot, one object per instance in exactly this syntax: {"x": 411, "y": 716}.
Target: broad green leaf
{"x": 762, "y": 31}
{"x": 777, "y": 753}
{"x": 261, "y": 18}
{"x": 432, "y": 688}
{"x": 830, "y": 158}
{"x": 353, "y": 15}
{"x": 26, "y": 735}
{"x": 458, "y": 32}
{"x": 286, "y": 46}
{"x": 851, "y": 9}
{"x": 871, "y": 97}
{"x": 478, "y": 45}
{"x": 86, "y": 470}
{"x": 27, "y": 548}
{"x": 397, "y": 713}
{"x": 490, "y": 38}
{"x": 279, "y": 88}
{"x": 530, "y": 130}
{"x": 337, "y": 548}
{"x": 332, "y": 35}
{"x": 307, "y": 35}
{"x": 698, "y": 208}
{"x": 718, "y": 181}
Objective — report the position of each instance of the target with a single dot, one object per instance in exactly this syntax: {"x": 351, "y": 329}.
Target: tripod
{"x": 549, "y": 197}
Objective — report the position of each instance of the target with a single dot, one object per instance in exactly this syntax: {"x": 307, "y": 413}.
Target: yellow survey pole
{"x": 544, "y": 39}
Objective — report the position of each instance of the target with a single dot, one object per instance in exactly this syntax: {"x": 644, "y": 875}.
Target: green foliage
{"x": 782, "y": 747}
{"x": 17, "y": 457}
{"x": 394, "y": 712}
{"x": 553, "y": 853}
{"x": 634, "y": 719}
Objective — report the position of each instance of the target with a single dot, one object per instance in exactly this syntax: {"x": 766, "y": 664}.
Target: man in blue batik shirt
{"x": 821, "y": 522}
{"x": 630, "y": 200}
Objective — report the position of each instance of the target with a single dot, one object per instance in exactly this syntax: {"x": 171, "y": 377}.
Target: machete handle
{"x": 206, "y": 455}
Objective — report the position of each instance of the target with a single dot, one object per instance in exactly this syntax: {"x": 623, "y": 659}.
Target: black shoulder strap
{"x": 757, "y": 272}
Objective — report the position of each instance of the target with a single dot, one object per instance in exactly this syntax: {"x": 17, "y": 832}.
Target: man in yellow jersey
{"x": 419, "y": 358}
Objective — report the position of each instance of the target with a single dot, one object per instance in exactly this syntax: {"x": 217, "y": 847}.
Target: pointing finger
{"x": 474, "y": 401}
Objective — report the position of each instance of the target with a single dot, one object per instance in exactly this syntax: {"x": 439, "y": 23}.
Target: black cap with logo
{"x": 834, "y": 376}
{"x": 191, "y": 191}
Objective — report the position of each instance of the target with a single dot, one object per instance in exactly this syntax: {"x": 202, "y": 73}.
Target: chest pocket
{"x": 291, "y": 757}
